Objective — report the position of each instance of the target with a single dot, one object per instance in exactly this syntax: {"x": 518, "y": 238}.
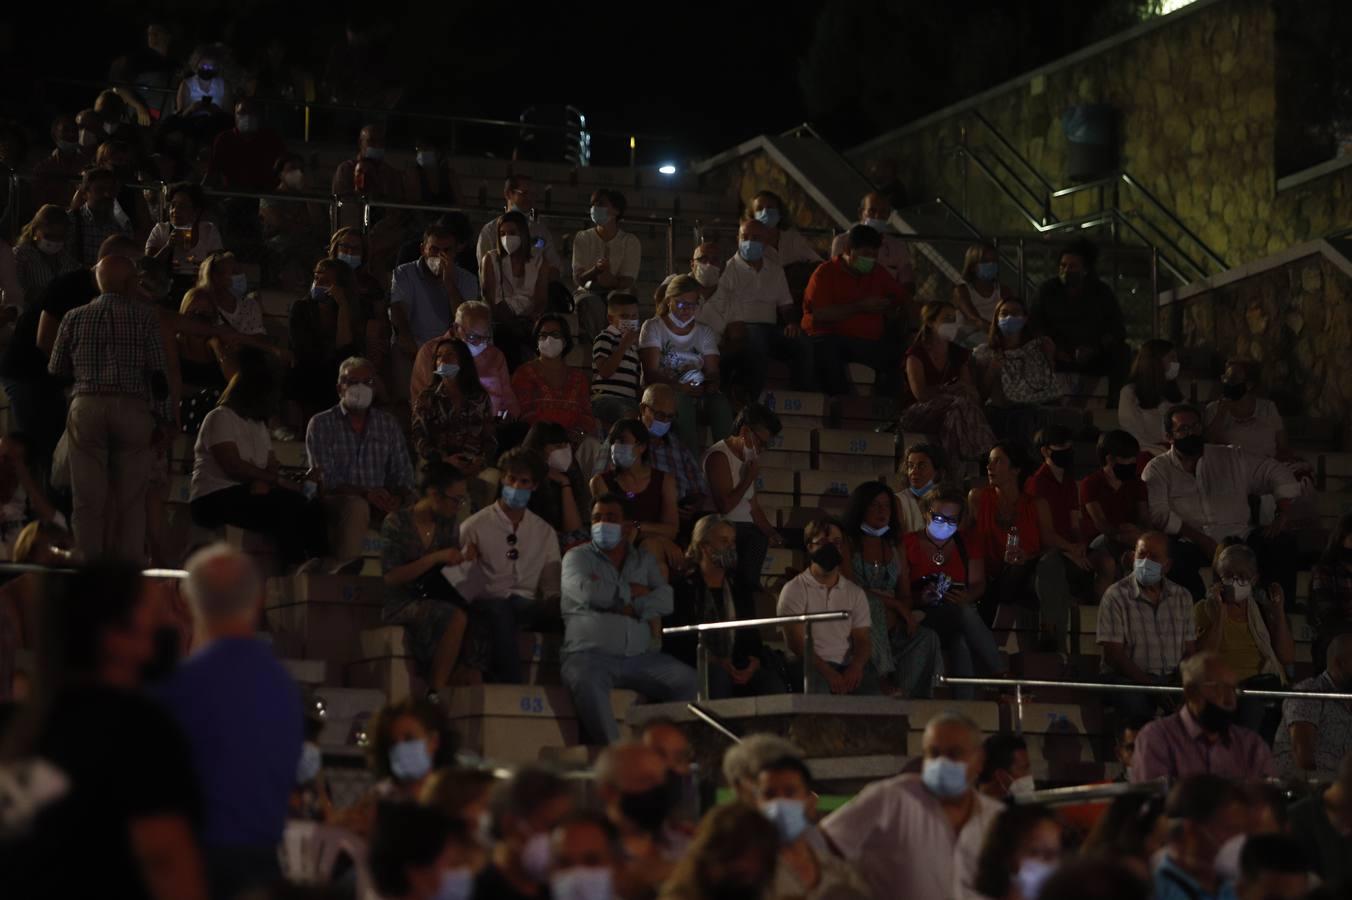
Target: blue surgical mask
{"x": 1011, "y": 324}
{"x": 600, "y": 215}
{"x": 623, "y": 455}
{"x": 239, "y": 284}
{"x": 516, "y": 497}
{"x": 409, "y": 760}
{"x": 874, "y": 532}
{"x": 319, "y": 293}
{"x": 922, "y": 490}
{"x": 940, "y": 531}
{"x": 1148, "y": 572}
{"x": 659, "y": 428}
{"x": 311, "y": 760}
{"x": 448, "y": 370}
{"x": 582, "y": 884}
{"x": 751, "y": 251}
{"x": 353, "y": 260}
{"x": 1032, "y": 875}
{"x": 456, "y": 884}
{"x": 789, "y": 818}
{"x": 607, "y": 535}
{"x": 987, "y": 270}
{"x": 878, "y": 225}
{"x": 769, "y": 217}
{"x": 944, "y": 777}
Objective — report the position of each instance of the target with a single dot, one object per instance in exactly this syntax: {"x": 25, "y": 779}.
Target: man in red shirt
{"x": 1063, "y": 571}
{"x": 1114, "y": 503}
{"x": 849, "y": 309}
{"x": 245, "y": 157}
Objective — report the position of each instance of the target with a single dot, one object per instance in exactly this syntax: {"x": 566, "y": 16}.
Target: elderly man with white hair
{"x": 241, "y": 713}
{"x": 1202, "y": 736}
{"x": 473, "y": 326}
{"x": 918, "y": 836}
{"x": 361, "y": 460}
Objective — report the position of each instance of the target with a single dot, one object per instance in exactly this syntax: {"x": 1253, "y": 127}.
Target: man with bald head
{"x": 895, "y": 254}
{"x": 666, "y": 453}
{"x": 1315, "y": 735}
{"x": 636, "y": 796}
{"x": 241, "y": 713}
{"x": 1145, "y": 627}
{"x": 112, "y": 351}
{"x": 1202, "y": 736}
{"x": 918, "y": 836}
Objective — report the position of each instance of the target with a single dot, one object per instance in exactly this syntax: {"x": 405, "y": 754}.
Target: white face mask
{"x": 561, "y": 460}
{"x": 707, "y": 274}
{"x": 946, "y": 330}
{"x": 434, "y": 264}
{"x": 1032, "y": 875}
{"x": 1171, "y": 372}
{"x": 427, "y": 158}
{"x": 1242, "y": 592}
{"x": 358, "y": 397}
{"x": 293, "y": 178}
{"x": 1227, "y": 858}
{"x": 1020, "y": 786}
{"x": 550, "y": 347}
{"x": 535, "y": 857}
{"x": 511, "y": 243}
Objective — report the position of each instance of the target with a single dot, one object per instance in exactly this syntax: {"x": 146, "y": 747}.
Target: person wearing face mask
{"x": 1007, "y": 771}
{"x": 1245, "y": 623}
{"x": 424, "y": 295}
{"x": 638, "y": 798}
{"x": 41, "y": 255}
{"x": 242, "y": 158}
{"x": 515, "y": 276}
{"x": 732, "y": 466}
{"x": 615, "y": 363}
{"x": 611, "y": 593}
{"x": 292, "y": 229}
{"x": 431, "y": 179}
{"x": 95, "y": 215}
{"x": 784, "y": 244}
{"x": 734, "y": 855}
{"x": 383, "y": 178}
{"x": 186, "y": 239}
{"x": 518, "y": 195}
{"x": 605, "y": 258}
{"x": 473, "y": 327}
{"x": 1063, "y": 572}
{"x": 841, "y": 661}
{"x": 1322, "y": 822}
{"x": 1151, "y": 388}
{"x": 1203, "y": 735}
{"x": 707, "y": 590}
{"x": 1315, "y": 735}
{"x": 55, "y": 172}
{"x": 1205, "y": 811}
{"x": 1198, "y": 494}
{"x": 324, "y": 329}
{"x": 923, "y": 467}
{"x": 221, "y": 297}
{"x": 563, "y": 498}
{"x": 675, "y": 348}
{"x": 518, "y": 559}
{"x": 938, "y": 817}
{"x": 979, "y": 292}
{"x": 417, "y": 853}
{"x": 1082, "y": 317}
{"x": 584, "y": 856}
{"x": 649, "y": 494}
{"x": 453, "y": 419}
{"x": 1013, "y": 371}
{"x": 1021, "y": 852}
{"x": 785, "y": 794}
{"x": 904, "y": 654}
{"x": 756, "y": 314}
{"x": 522, "y": 812}
{"x": 1145, "y": 627}
{"x": 113, "y": 351}
{"x": 875, "y": 211}
{"x": 850, "y": 307}
{"x": 657, "y": 412}
{"x": 940, "y": 380}
{"x": 204, "y": 92}
{"x": 547, "y": 388}
{"x": 1113, "y": 498}
{"x": 362, "y": 461}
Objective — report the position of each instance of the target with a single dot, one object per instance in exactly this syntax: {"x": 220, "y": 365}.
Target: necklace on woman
{"x": 939, "y": 557}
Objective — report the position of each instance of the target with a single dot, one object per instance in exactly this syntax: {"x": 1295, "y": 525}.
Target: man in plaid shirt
{"x": 113, "y": 351}
{"x": 657, "y": 411}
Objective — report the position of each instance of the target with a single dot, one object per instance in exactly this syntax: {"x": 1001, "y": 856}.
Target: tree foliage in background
{"x": 874, "y": 65}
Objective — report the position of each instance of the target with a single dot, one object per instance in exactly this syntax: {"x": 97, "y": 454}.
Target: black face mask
{"x": 827, "y": 556}
{"x": 1190, "y": 445}
{"x": 1216, "y": 719}
{"x": 1234, "y": 391}
{"x": 1063, "y": 459}
{"x": 1125, "y": 472}
{"x": 648, "y": 809}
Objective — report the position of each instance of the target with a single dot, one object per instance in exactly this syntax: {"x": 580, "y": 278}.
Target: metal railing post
{"x": 365, "y": 214}
{"x": 1018, "y": 709}
{"x": 671, "y": 244}
{"x": 1023, "y": 275}
{"x": 807, "y": 657}
{"x": 701, "y": 669}
{"x": 335, "y": 206}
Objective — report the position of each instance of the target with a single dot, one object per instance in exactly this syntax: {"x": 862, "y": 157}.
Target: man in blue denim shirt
{"x": 611, "y": 591}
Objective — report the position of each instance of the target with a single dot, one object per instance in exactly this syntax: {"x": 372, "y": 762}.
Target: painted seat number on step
{"x": 533, "y": 705}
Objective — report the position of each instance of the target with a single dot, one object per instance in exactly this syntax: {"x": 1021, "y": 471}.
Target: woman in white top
{"x": 978, "y": 294}
{"x": 515, "y": 284}
{"x": 1152, "y": 387}
{"x": 204, "y": 91}
{"x": 732, "y": 466}
{"x": 787, "y": 245}
{"x": 923, "y": 467}
{"x": 236, "y": 479}
{"x": 1252, "y": 423}
{"x": 677, "y": 350}
{"x": 221, "y": 297}
{"x": 186, "y": 239}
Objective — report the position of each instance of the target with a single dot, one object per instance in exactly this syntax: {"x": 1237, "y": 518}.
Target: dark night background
{"x": 708, "y": 75}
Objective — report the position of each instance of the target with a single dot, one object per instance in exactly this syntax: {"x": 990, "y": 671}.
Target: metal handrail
{"x": 1089, "y": 793}
{"x": 1004, "y": 141}
{"x": 712, "y": 721}
{"x": 1020, "y": 683}
{"x": 702, "y": 652}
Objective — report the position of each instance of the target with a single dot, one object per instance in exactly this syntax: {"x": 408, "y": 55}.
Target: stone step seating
{"x": 386, "y": 664}
{"x": 522, "y": 723}
{"x": 850, "y": 453}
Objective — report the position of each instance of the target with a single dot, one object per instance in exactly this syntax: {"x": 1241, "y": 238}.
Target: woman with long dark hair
{"x": 562, "y": 498}
{"x": 453, "y": 419}
{"x": 515, "y": 279}
{"x": 946, "y": 401}
{"x": 1151, "y": 388}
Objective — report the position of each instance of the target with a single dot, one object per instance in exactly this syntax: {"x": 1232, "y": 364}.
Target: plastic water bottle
{"x": 1013, "y": 552}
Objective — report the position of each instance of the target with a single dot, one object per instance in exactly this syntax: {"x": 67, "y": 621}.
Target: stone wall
{"x": 1197, "y": 102}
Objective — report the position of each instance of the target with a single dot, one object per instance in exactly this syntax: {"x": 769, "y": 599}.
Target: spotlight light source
{"x": 667, "y": 169}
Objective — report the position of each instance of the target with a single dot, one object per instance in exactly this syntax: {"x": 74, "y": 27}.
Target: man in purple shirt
{"x": 1202, "y": 736}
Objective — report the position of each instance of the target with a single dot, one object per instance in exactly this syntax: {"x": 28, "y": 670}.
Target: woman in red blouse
{"x": 1001, "y": 510}
{"x": 945, "y": 571}
{"x": 547, "y": 389}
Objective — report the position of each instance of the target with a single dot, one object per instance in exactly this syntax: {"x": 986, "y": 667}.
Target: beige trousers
{"x": 109, "y": 447}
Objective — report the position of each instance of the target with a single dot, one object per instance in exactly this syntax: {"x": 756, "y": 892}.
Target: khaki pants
{"x": 110, "y": 456}
{"x": 348, "y": 519}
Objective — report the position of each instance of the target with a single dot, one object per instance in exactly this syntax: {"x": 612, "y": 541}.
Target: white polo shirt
{"x": 805, "y": 594}
{"x": 746, "y": 295}
{"x": 535, "y": 571}
{"x": 623, "y": 251}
